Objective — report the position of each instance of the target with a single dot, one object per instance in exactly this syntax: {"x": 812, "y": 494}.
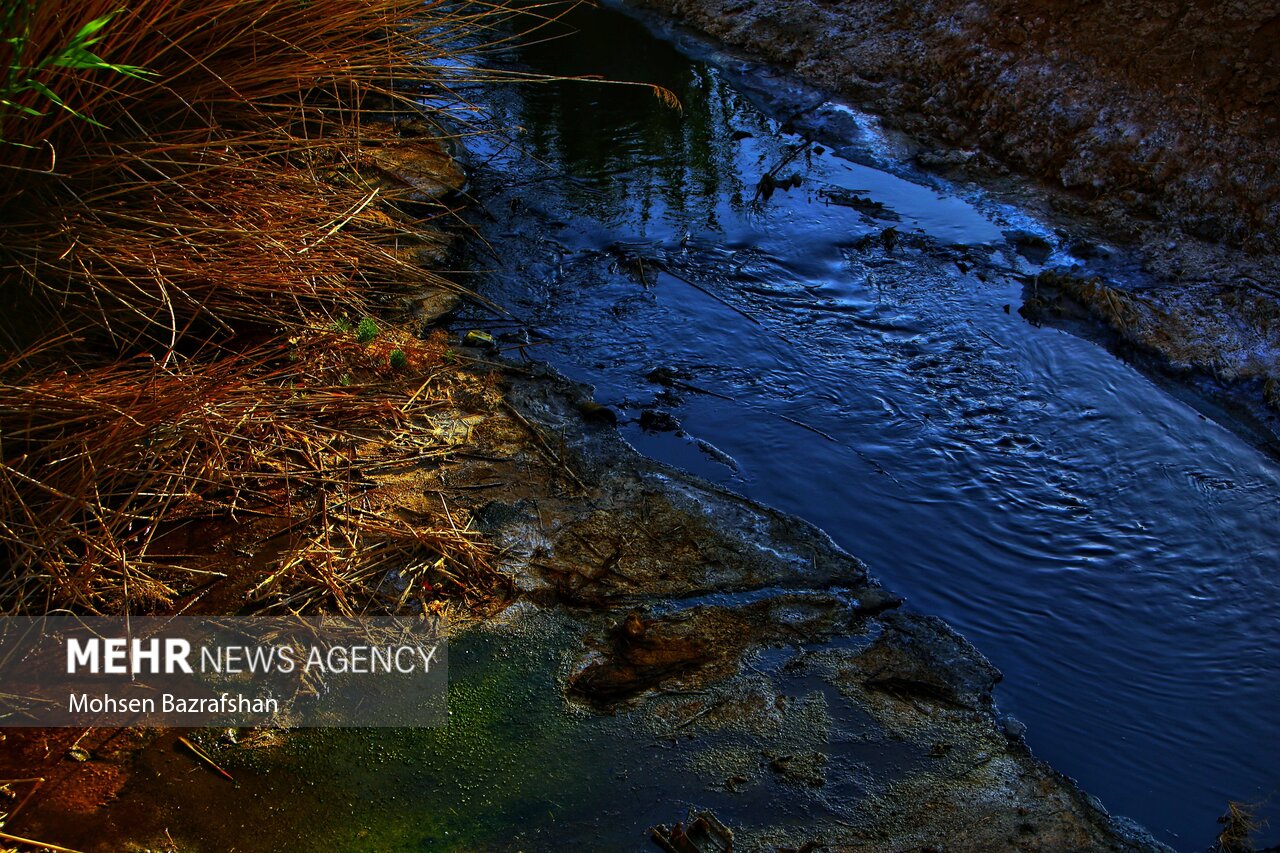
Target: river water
{"x": 1109, "y": 547}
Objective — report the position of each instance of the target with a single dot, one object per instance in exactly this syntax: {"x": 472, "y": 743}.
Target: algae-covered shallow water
{"x": 1106, "y": 544}
{"x": 512, "y": 770}
{"x": 515, "y": 769}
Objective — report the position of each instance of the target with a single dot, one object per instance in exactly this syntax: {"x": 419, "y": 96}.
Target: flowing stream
{"x": 1102, "y": 541}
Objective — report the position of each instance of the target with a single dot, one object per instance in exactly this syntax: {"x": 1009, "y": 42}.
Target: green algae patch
{"x": 512, "y": 756}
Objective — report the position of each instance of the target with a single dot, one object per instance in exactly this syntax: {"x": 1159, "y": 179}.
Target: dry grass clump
{"x": 155, "y": 266}
{"x": 1239, "y": 825}
{"x": 105, "y": 470}
{"x": 216, "y": 190}
{"x": 177, "y": 247}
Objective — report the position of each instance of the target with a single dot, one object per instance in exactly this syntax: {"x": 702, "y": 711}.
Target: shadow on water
{"x": 688, "y": 162}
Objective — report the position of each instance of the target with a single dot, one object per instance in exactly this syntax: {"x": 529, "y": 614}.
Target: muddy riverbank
{"x": 1160, "y": 110}
{"x": 701, "y": 652}
{"x": 780, "y": 666}
{"x": 1157, "y": 121}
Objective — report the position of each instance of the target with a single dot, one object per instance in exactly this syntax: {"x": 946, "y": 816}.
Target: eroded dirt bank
{"x": 1157, "y": 121}
{"x": 1163, "y": 110}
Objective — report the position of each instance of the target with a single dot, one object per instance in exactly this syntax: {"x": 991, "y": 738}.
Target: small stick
{"x": 717, "y": 297}
{"x": 17, "y": 839}
{"x": 35, "y": 783}
{"x": 204, "y": 756}
{"x": 541, "y": 444}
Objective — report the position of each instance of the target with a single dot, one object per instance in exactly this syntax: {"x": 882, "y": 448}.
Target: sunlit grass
{"x": 181, "y": 219}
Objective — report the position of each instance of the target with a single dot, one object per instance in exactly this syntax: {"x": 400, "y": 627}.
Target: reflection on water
{"x": 850, "y": 351}
{"x": 688, "y": 162}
